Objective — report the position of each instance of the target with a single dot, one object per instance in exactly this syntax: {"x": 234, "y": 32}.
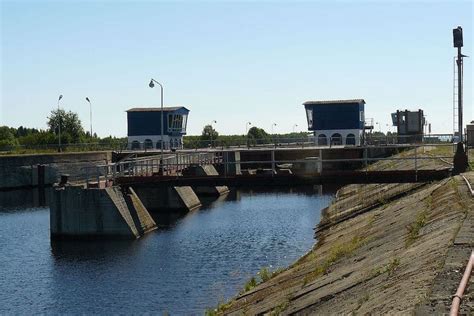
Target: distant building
{"x": 410, "y": 126}
{"x": 337, "y": 122}
{"x": 144, "y": 127}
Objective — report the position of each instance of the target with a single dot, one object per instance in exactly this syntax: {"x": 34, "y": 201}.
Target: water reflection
{"x": 191, "y": 262}
{"x": 84, "y": 250}
{"x": 24, "y": 199}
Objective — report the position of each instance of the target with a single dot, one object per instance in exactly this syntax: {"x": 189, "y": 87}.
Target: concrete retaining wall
{"x": 21, "y": 170}
{"x": 326, "y": 153}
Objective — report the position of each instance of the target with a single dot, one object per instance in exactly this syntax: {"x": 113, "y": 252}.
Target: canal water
{"x": 192, "y": 262}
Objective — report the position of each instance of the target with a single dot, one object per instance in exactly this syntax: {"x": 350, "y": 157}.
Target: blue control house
{"x": 336, "y": 122}
{"x": 144, "y": 127}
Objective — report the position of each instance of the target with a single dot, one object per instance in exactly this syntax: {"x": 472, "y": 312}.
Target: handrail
{"x": 241, "y": 141}
{"x": 457, "y": 298}
{"x": 147, "y": 165}
{"x": 178, "y": 161}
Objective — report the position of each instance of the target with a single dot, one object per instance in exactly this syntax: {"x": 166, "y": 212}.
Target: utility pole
{"x": 460, "y": 68}
{"x": 458, "y": 42}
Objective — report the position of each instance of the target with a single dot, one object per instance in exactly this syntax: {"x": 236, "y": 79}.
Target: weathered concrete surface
{"x": 21, "y": 171}
{"x": 188, "y": 197}
{"x": 141, "y": 218}
{"x": 79, "y": 213}
{"x": 167, "y": 198}
{"x": 381, "y": 249}
{"x": 206, "y": 170}
{"x": 291, "y": 154}
{"x": 447, "y": 280}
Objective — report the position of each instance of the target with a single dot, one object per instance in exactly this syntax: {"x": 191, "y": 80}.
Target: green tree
{"x": 7, "y": 138}
{"x": 25, "y": 131}
{"x": 208, "y": 133}
{"x": 40, "y": 138}
{"x": 71, "y": 128}
{"x": 257, "y": 136}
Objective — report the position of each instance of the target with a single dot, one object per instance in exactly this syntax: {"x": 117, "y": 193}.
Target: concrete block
{"x": 166, "y": 198}
{"x": 188, "y": 197}
{"x": 142, "y": 219}
{"x": 206, "y": 170}
{"x": 80, "y": 213}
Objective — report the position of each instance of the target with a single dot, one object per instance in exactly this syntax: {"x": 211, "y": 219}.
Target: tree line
{"x": 72, "y": 133}
{"x": 68, "y": 122}
{"x": 255, "y": 136}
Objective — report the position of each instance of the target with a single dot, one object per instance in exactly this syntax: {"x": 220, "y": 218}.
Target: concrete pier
{"x": 165, "y": 198}
{"x": 206, "y": 170}
{"x": 80, "y": 213}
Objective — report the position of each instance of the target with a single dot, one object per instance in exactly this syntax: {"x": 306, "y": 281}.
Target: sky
{"x": 233, "y": 62}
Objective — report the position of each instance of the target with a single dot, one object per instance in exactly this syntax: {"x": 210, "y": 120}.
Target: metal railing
{"x": 239, "y": 142}
{"x": 277, "y": 141}
{"x": 172, "y": 164}
{"x": 144, "y": 166}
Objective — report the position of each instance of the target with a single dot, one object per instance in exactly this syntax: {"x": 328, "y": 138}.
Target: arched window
{"x": 350, "y": 139}
{"x": 336, "y": 139}
{"x": 322, "y": 140}
{"x": 158, "y": 144}
{"x": 148, "y": 144}
{"x": 135, "y": 144}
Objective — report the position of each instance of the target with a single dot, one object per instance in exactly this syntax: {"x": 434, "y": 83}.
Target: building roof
{"x": 351, "y": 101}
{"x": 165, "y": 109}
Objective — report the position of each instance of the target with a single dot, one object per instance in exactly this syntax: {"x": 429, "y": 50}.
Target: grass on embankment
{"x": 381, "y": 260}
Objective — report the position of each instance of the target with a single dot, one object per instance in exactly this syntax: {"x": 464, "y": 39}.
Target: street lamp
{"x": 152, "y": 84}
{"x": 296, "y": 125}
{"x": 90, "y": 112}
{"x": 59, "y": 124}
{"x": 274, "y": 124}
{"x": 273, "y": 136}
{"x": 246, "y": 127}
{"x": 214, "y": 121}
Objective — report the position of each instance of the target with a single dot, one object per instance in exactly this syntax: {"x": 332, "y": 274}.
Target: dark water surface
{"x": 190, "y": 263}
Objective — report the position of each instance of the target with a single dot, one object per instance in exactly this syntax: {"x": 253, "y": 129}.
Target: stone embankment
{"x": 396, "y": 248}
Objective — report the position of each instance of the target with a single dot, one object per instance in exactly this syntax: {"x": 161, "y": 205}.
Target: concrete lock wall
{"x": 311, "y": 154}
{"x": 21, "y": 170}
{"x": 76, "y": 212}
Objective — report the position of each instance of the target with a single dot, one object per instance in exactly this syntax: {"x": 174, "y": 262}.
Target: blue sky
{"x": 232, "y": 62}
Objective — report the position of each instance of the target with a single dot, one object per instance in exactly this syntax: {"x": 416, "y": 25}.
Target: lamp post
{"x": 59, "y": 124}
{"x": 90, "y": 112}
{"x": 458, "y": 43}
{"x": 273, "y": 136}
{"x": 151, "y": 85}
{"x": 247, "y": 133}
{"x": 296, "y": 125}
{"x": 247, "y": 127}
{"x": 210, "y": 133}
